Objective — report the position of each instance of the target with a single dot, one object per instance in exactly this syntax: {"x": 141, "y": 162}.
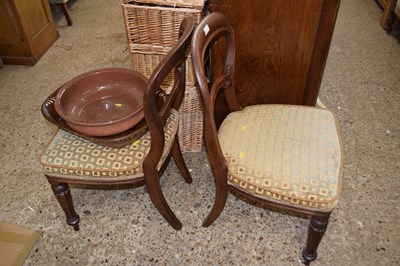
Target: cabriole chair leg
{"x": 221, "y": 195}
{"x": 152, "y": 180}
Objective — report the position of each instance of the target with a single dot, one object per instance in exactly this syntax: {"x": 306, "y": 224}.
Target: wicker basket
{"x": 196, "y": 4}
{"x": 190, "y": 113}
{"x": 146, "y": 63}
{"x": 190, "y": 132}
{"x": 152, "y": 28}
{"x": 154, "y": 25}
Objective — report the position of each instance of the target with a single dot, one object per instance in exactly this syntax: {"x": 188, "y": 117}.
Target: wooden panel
{"x": 38, "y": 23}
{"x": 37, "y": 20}
{"x": 10, "y": 35}
{"x": 281, "y": 47}
{"x": 7, "y": 31}
{"x": 27, "y": 30}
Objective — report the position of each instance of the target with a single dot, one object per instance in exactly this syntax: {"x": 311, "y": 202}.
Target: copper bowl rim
{"x": 57, "y": 100}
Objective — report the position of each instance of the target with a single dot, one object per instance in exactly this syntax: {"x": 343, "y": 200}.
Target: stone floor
{"x": 121, "y": 227}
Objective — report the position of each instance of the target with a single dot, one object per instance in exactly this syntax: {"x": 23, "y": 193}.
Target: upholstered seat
{"x": 71, "y": 157}
{"x": 271, "y": 157}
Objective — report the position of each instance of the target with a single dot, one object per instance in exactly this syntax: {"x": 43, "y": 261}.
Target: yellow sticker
{"x": 136, "y": 142}
{"x": 244, "y": 128}
{"x": 241, "y": 155}
{"x": 118, "y": 104}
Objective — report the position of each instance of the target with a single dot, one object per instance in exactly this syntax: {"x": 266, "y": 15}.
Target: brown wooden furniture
{"x": 69, "y": 159}
{"x": 64, "y": 8}
{"x": 281, "y": 48}
{"x": 27, "y": 31}
{"x": 383, "y": 3}
{"x": 386, "y": 16}
{"x": 283, "y": 156}
{"x": 391, "y": 14}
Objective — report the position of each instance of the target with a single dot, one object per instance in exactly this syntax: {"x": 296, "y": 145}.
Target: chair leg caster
{"x": 74, "y": 222}
{"x": 308, "y": 258}
{"x": 316, "y": 231}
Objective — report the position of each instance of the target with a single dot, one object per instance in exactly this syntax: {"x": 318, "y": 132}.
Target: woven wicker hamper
{"x": 152, "y": 28}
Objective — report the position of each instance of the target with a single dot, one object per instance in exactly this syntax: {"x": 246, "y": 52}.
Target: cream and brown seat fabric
{"x": 289, "y": 154}
{"x": 72, "y": 158}
{"x": 282, "y": 156}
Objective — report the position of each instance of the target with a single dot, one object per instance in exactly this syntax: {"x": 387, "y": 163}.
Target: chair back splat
{"x": 283, "y": 156}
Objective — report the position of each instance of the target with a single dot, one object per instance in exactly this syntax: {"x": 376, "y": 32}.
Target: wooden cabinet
{"x": 281, "y": 48}
{"x": 27, "y": 30}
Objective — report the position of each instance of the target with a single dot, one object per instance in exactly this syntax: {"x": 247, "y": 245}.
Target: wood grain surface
{"x": 281, "y": 48}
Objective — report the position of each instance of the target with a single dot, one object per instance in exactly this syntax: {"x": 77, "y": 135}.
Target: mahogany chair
{"x": 69, "y": 159}
{"x": 282, "y": 156}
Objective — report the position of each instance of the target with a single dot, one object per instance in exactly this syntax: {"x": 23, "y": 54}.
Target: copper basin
{"x": 102, "y": 102}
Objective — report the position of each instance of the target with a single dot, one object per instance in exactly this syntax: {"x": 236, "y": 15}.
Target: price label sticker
{"x": 206, "y": 29}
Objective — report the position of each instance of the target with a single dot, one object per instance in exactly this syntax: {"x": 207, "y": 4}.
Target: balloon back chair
{"x": 282, "y": 156}
{"x": 69, "y": 159}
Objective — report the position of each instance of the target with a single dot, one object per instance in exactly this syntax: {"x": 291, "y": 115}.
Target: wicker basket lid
{"x": 197, "y": 4}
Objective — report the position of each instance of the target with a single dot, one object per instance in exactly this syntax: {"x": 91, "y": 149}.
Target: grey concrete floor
{"x": 121, "y": 227}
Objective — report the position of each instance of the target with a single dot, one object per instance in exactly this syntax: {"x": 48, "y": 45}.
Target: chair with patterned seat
{"x": 69, "y": 159}
{"x": 64, "y": 8}
{"x": 282, "y": 156}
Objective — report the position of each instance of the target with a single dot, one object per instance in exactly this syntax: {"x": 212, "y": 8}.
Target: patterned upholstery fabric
{"x": 284, "y": 153}
{"x": 72, "y": 157}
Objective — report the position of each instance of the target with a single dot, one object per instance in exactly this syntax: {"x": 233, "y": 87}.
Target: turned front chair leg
{"x": 316, "y": 231}
{"x": 63, "y": 195}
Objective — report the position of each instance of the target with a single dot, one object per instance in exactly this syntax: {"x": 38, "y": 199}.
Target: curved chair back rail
{"x": 215, "y": 27}
{"x": 253, "y": 151}
{"x": 70, "y": 159}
